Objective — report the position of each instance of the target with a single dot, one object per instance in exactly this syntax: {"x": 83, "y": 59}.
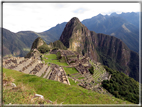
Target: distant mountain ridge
{"x": 19, "y": 43}
{"x": 123, "y": 26}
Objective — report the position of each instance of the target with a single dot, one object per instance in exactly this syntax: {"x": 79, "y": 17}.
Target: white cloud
{"x": 39, "y": 17}
{"x": 80, "y": 10}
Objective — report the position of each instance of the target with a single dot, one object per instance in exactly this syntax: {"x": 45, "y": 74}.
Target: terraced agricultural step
{"x": 42, "y": 70}
{"x": 30, "y": 67}
{"x": 50, "y": 71}
{"x": 37, "y": 68}
{"x": 23, "y": 64}
{"x": 47, "y": 72}
{"x": 8, "y": 64}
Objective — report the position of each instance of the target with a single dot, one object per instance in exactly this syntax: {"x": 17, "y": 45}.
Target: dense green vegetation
{"x": 110, "y": 62}
{"x": 58, "y": 55}
{"x": 91, "y": 70}
{"x": 53, "y": 90}
{"x": 43, "y": 49}
{"x": 122, "y": 86}
{"x": 52, "y": 58}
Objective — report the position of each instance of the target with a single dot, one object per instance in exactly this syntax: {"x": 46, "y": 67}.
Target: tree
{"x": 43, "y": 49}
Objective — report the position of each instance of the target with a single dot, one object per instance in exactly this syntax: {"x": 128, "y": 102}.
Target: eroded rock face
{"x": 109, "y": 50}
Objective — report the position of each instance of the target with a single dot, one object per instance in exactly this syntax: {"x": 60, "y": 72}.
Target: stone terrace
{"x": 58, "y": 74}
{"x": 36, "y": 67}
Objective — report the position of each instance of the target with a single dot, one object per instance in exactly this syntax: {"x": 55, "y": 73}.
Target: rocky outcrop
{"x": 57, "y": 44}
{"x": 106, "y": 49}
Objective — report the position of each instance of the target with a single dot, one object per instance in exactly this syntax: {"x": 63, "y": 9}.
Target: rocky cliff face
{"x": 109, "y": 50}
{"x": 77, "y": 37}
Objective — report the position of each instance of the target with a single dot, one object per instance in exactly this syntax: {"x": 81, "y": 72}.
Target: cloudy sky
{"x": 39, "y": 17}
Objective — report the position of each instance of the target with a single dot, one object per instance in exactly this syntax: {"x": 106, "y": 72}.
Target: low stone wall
{"x": 42, "y": 70}
{"x": 30, "y": 67}
{"x": 37, "y": 68}
{"x": 25, "y": 63}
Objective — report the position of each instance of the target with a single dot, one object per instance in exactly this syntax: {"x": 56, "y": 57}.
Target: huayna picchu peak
{"x": 101, "y": 64}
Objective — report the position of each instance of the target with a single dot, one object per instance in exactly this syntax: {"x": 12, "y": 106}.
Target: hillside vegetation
{"x": 53, "y": 90}
{"x": 122, "y": 86}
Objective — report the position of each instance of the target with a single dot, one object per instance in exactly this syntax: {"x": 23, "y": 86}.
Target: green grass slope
{"x": 53, "y": 90}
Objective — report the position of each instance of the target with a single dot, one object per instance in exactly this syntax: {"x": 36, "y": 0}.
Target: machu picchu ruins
{"x": 33, "y": 65}
{"x": 36, "y": 63}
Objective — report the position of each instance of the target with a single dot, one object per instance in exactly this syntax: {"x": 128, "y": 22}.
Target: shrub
{"x": 55, "y": 48}
{"x": 59, "y": 55}
{"x": 91, "y": 70}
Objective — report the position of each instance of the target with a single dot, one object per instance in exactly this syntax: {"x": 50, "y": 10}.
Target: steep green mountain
{"x": 27, "y": 37}
{"x": 37, "y": 43}
{"x": 12, "y": 45}
{"x": 38, "y": 46}
{"x": 109, "y": 50}
{"x": 124, "y": 26}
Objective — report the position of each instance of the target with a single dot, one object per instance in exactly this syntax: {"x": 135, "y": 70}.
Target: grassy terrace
{"x": 52, "y": 58}
{"x": 70, "y": 71}
{"x": 98, "y": 71}
{"x": 52, "y": 90}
